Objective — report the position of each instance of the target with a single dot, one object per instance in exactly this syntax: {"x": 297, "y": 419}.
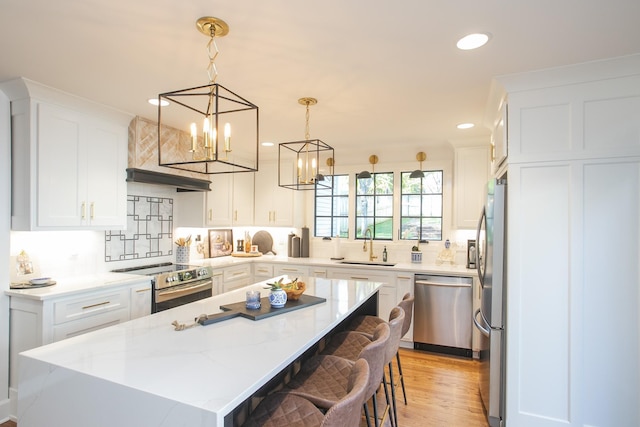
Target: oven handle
{"x": 177, "y": 293}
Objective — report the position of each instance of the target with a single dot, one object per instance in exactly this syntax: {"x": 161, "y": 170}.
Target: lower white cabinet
{"x": 300, "y": 272}
{"x": 236, "y": 277}
{"x": 34, "y": 323}
{"x": 262, "y": 271}
{"x": 387, "y": 298}
{"x": 404, "y": 284}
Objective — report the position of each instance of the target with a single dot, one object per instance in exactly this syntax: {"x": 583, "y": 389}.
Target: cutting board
{"x": 246, "y": 254}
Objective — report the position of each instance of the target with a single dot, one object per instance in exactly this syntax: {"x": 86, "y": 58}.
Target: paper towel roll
{"x": 337, "y": 253}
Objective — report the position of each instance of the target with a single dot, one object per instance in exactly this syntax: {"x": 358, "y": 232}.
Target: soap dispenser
{"x": 384, "y": 254}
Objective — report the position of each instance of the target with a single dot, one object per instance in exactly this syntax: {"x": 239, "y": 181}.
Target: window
{"x": 421, "y": 206}
{"x": 332, "y": 207}
{"x": 374, "y": 206}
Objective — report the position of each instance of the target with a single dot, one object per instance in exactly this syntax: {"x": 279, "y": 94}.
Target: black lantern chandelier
{"x": 302, "y": 165}
{"x": 217, "y": 129}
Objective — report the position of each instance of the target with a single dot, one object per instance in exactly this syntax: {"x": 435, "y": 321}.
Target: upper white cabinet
{"x": 274, "y": 205}
{"x": 230, "y": 201}
{"x": 471, "y": 175}
{"x": 69, "y": 160}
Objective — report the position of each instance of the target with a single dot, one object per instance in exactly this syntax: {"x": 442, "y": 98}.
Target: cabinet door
{"x": 219, "y": 210}
{"x": 104, "y": 152}
{"x": 243, "y": 188}
{"x": 274, "y": 205}
{"x": 471, "y": 175}
{"x": 404, "y": 284}
{"x": 292, "y": 271}
{"x": 140, "y": 300}
{"x": 60, "y": 201}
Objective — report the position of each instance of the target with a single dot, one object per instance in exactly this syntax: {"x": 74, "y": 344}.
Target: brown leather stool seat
{"x": 322, "y": 379}
{"x": 367, "y": 324}
{"x": 284, "y": 408}
{"x": 348, "y": 344}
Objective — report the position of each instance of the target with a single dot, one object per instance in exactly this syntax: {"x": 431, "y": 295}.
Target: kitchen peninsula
{"x": 145, "y": 373}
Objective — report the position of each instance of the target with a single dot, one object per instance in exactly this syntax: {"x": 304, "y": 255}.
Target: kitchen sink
{"x": 383, "y": 264}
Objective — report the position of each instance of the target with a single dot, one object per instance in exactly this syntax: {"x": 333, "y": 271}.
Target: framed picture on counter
{"x": 220, "y": 242}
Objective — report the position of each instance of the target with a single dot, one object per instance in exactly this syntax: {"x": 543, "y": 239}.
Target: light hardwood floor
{"x": 442, "y": 391}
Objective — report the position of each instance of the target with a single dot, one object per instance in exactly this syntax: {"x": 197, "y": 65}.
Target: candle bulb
{"x": 206, "y": 129}
{"x": 214, "y": 140}
{"x": 194, "y": 136}
{"x": 227, "y": 137}
{"x": 299, "y": 169}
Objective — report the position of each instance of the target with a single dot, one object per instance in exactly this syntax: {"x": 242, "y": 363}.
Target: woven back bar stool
{"x": 322, "y": 378}
{"x": 367, "y": 324}
{"x": 284, "y": 408}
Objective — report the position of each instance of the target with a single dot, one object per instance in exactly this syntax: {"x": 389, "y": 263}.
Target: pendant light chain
{"x": 212, "y": 53}
{"x": 306, "y": 129}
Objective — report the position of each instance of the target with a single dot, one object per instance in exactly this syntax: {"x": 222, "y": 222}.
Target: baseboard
{"x": 5, "y": 412}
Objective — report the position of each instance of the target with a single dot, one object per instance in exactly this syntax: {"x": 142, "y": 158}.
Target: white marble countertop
{"x": 74, "y": 285}
{"x": 205, "y": 369}
{"x": 423, "y": 268}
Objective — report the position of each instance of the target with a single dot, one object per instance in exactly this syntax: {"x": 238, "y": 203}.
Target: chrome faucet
{"x": 364, "y": 246}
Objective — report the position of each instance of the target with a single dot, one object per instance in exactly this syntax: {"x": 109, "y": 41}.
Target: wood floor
{"x": 441, "y": 391}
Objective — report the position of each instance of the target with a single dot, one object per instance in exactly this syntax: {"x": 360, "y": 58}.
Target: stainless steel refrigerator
{"x": 490, "y": 317}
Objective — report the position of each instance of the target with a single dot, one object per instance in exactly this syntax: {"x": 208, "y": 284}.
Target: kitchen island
{"x": 145, "y": 373}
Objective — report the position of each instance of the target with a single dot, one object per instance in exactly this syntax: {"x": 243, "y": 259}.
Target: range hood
{"x": 181, "y": 183}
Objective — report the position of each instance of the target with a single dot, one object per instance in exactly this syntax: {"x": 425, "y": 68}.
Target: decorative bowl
{"x": 40, "y": 280}
{"x": 294, "y": 293}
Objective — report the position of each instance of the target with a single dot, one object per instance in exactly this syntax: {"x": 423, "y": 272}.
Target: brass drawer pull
{"x": 95, "y": 305}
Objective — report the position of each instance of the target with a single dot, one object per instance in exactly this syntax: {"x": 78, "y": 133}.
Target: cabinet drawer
{"x": 78, "y": 308}
{"x": 89, "y": 324}
{"x": 263, "y": 270}
{"x": 237, "y": 273}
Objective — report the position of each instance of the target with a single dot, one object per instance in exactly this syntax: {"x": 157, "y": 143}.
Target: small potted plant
{"x": 416, "y": 255}
{"x": 278, "y": 296}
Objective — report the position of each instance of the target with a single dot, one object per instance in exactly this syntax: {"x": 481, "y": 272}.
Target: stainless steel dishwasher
{"x": 443, "y": 314}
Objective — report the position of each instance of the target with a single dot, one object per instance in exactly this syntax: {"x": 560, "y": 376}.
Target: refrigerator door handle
{"x": 481, "y": 328}
{"x": 480, "y": 258}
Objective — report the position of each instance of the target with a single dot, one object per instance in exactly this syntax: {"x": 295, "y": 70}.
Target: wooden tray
{"x": 265, "y": 310}
{"x": 246, "y": 254}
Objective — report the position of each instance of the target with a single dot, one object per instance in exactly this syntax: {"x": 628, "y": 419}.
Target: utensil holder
{"x": 182, "y": 255}
{"x": 416, "y": 257}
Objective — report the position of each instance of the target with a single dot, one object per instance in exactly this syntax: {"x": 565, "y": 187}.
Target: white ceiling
{"x": 387, "y": 75}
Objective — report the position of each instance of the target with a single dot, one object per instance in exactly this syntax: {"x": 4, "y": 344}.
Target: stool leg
{"x": 393, "y": 394}
{"x": 366, "y": 414}
{"x": 375, "y": 410}
{"x": 404, "y": 392}
{"x": 389, "y": 407}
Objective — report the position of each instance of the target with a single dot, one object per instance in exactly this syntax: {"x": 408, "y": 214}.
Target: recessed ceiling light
{"x": 465, "y": 126}
{"x": 267, "y": 144}
{"x": 154, "y": 101}
{"x": 473, "y": 41}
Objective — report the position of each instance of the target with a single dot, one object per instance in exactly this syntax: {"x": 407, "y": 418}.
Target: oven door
{"x": 175, "y": 296}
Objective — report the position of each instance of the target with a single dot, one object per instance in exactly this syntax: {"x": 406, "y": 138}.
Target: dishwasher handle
{"x": 450, "y": 285}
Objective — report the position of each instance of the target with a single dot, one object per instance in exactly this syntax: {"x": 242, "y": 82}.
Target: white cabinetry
{"x": 70, "y": 159}
{"x": 573, "y": 337}
{"x": 470, "y": 176}
{"x": 36, "y": 322}
{"x": 236, "y": 277}
{"x": 274, "y": 206}
{"x": 387, "y": 298}
{"x": 140, "y": 296}
{"x": 404, "y": 284}
{"x": 230, "y": 201}
{"x": 300, "y": 272}
{"x": 262, "y": 271}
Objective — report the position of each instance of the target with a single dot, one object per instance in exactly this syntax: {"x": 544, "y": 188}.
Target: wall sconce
{"x": 373, "y": 160}
{"x": 219, "y": 127}
{"x": 300, "y": 162}
{"x": 421, "y": 157}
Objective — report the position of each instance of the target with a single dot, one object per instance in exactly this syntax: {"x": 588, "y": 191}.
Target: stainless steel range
{"x": 175, "y": 284}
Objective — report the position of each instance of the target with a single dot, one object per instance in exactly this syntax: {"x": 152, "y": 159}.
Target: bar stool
{"x": 288, "y": 409}
{"x": 367, "y": 324}
{"x": 322, "y": 379}
{"x": 347, "y": 345}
